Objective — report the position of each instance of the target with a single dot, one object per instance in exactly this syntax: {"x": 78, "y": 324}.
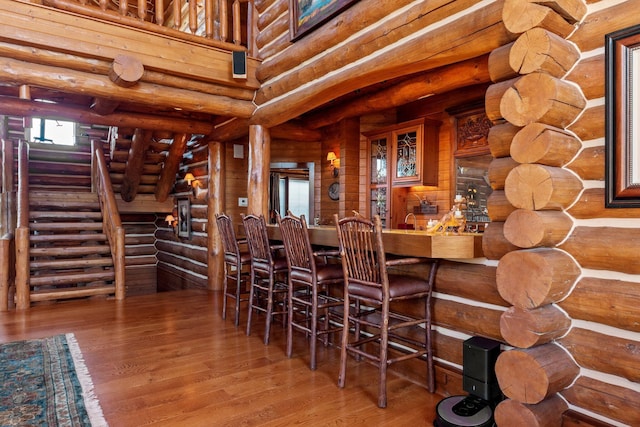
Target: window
{"x": 53, "y": 131}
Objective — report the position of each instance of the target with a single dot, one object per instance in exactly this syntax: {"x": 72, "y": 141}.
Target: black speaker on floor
{"x": 479, "y": 357}
{"x": 239, "y": 64}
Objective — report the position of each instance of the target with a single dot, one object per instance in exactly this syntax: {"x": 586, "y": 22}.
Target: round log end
{"x": 547, "y": 413}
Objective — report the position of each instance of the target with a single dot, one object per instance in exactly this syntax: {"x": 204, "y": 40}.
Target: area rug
{"x": 44, "y": 382}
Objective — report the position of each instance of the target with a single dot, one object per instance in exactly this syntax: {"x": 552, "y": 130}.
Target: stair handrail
{"x": 111, "y": 223}
{"x": 23, "y": 295}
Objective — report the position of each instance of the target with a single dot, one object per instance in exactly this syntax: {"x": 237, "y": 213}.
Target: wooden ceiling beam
{"x": 438, "y": 81}
{"x": 26, "y": 108}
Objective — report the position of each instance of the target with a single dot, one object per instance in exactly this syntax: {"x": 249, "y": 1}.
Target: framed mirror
{"x": 622, "y": 104}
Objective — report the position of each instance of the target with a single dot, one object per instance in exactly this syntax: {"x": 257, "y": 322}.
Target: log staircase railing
{"x": 22, "y": 229}
{"x": 206, "y": 24}
{"x": 113, "y": 229}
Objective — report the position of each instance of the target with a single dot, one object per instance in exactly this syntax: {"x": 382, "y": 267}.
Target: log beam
{"x": 26, "y": 108}
{"x": 544, "y": 144}
{"x": 171, "y": 166}
{"x": 133, "y": 170}
{"x": 547, "y": 413}
{"x": 470, "y": 72}
{"x": 531, "y": 229}
{"x": 539, "y": 187}
{"x": 215, "y": 203}
{"x": 78, "y": 82}
{"x": 527, "y": 328}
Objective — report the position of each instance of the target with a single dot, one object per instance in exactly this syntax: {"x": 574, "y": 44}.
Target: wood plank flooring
{"x": 169, "y": 359}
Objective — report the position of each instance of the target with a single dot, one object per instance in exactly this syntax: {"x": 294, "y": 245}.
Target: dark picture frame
{"x": 622, "y": 118}
{"x": 184, "y": 218}
{"x": 305, "y": 16}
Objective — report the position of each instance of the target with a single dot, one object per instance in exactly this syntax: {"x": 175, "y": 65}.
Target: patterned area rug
{"x": 44, "y": 382}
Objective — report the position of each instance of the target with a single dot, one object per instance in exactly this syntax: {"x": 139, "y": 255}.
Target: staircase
{"x": 70, "y": 256}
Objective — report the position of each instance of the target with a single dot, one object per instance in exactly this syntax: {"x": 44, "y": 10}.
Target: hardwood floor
{"x": 169, "y": 359}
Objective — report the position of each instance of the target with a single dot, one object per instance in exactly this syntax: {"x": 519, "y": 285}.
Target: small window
{"x": 53, "y": 131}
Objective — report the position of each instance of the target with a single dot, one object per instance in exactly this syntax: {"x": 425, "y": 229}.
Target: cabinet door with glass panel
{"x": 415, "y": 153}
{"x": 402, "y": 155}
{"x": 378, "y": 179}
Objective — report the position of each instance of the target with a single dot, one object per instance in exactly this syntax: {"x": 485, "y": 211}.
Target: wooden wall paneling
{"x": 617, "y": 307}
{"x": 141, "y": 279}
{"x": 604, "y": 353}
{"x": 609, "y": 400}
{"x": 592, "y": 247}
{"x": 171, "y": 278}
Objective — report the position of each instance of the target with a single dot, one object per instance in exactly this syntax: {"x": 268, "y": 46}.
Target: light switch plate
{"x": 243, "y": 202}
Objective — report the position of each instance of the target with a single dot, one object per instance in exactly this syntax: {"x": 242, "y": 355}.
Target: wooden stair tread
{"x": 80, "y": 196}
{"x": 84, "y": 226}
{"x": 66, "y": 293}
{"x": 93, "y": 237}
{"x": 71, "y": 251}
{"x": 64, "y": 214}
{"x": 71, "y": 263}
{"x": 70, "y": 278}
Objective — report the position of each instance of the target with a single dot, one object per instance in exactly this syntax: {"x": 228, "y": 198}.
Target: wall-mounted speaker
{"x": 239, "y": 64}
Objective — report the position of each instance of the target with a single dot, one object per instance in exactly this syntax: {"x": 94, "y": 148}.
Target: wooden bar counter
{"x": 415, "y": 243}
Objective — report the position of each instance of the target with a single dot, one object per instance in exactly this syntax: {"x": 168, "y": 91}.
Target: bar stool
{"x": 310, "y": 296}
{"x": 236, "y": 266}
{"x": 268, "y": 278}
{"x": 370, "y": 288}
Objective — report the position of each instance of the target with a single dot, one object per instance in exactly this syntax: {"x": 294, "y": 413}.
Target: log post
{"x": 527, "y": 328}
{"x": 171, "y": 166}
{"x": 531, "y": 375}
{"x": 539, "y": 50}
{"x": 531, "y": 229}
{"x": 259, "y": 165}
{"x": 538, "y": 187}
{"x": 215, "y": 204}
{"x": 133, "y": 170}
{"x": 547, "y": 413}
{"x": 5, "y": 256}
{"x": 534, "y": 277}
{"x": 544, "y": 144}
{"x": 539, "y": 97}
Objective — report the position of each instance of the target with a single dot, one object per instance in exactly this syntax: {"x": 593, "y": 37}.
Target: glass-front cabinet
{"x": 402, "y": 155}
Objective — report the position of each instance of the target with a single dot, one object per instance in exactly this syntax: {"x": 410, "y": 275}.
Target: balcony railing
{"x": 223, "y": 23}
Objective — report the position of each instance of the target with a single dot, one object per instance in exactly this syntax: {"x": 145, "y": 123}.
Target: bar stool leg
{"x": 251, "y": 297}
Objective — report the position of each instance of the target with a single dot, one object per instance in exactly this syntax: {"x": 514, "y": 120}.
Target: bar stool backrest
{"x": 361, "y": 250}
{"x": 255, "y": 228}
{"x": 297, "y": 246}
{"x": 228, "y": 237}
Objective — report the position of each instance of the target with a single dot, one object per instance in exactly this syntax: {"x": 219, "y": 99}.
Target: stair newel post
{"x": 22, "y": 229}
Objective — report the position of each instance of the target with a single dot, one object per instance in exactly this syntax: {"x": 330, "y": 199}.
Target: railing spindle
{"x": 208, "y": 18}
{"x": 224, "y": 18}
{"x": 177, "y": 14}
{"x": 237, "y": 26}
{"x": 160, "y": 12}
{"x": 193, "y": 16}
{"x": 124, "y": 7}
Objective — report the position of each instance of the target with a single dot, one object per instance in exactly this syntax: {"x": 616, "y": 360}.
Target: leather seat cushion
{"x": 399, "y": 286}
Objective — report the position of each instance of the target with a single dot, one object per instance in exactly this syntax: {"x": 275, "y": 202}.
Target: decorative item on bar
{"x": 453, "y": 221}
{"x": 425, "y": 207}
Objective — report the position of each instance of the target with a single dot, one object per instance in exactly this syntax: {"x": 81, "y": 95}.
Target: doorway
{"x": 291, "y": 189}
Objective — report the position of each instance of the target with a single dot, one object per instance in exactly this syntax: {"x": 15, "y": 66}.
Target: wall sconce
{"x": 171, "y": 221}
{"x": 335, "y": 163}
{"x": 198, "y": 191}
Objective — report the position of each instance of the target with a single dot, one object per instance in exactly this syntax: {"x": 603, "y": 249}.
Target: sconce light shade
{"x": 189, "y": 177}
{"x": 170, "y": 220}
{"x": 331, "y": 156}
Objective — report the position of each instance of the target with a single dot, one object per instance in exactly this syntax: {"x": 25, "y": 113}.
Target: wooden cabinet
{"x": 415, "y": 153}
{"x": 402, "y": 155}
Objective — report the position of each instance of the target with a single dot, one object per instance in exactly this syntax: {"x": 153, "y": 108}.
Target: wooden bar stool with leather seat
{"x": 310, "y": 296}
{"x": 236, "y": 266}
{"x": 268, "y": 277}
{"x": 371, "y": 289}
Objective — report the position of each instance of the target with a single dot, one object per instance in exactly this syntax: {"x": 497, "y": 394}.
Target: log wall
{"x": 568, "y": 272}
